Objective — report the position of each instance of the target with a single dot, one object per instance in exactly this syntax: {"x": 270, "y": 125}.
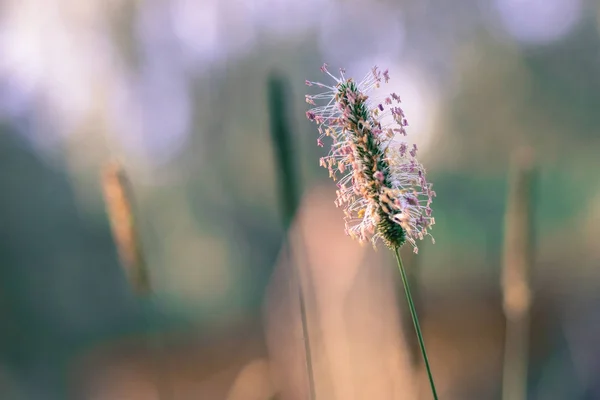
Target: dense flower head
{"x": 381, "y": 185}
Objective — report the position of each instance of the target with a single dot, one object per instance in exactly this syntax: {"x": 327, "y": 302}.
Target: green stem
{"x": 306, "y": 337}
{"x": 413, "y": 313}
{"x": 289, "y": 197}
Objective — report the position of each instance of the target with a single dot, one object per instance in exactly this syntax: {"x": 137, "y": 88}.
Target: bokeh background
{"x": 177, "y": 91}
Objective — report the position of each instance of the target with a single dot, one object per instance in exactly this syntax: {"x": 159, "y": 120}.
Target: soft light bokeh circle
{"x": 538, "y": 21}
{"x": 347, "y": 32}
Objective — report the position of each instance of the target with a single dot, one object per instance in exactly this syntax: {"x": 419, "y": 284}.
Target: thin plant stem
{"x": 515, "y": 283}
{"x": 303, "y": 314}
{"x": 413, "y": 313}
{"x": 289, "y": 196}
{"x": 119, "y": 198}
{"x": 306, "y": 337}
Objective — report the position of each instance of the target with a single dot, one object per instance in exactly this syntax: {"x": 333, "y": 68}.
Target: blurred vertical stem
{"x": 289, "y": 194}
{"x": 415, "y": 319}
{"x": 518, "y": 258}
{"x": 118, "y": 196}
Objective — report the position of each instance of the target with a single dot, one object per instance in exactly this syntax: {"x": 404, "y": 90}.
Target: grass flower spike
{"x": 381, "y": 185}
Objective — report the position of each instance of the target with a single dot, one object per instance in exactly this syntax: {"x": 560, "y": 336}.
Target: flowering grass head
{"x": 381, "y": 185}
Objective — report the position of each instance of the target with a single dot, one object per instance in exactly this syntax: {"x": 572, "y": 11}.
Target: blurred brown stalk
{"x": 118, "y": 196}
{"x": 518, "y": 258}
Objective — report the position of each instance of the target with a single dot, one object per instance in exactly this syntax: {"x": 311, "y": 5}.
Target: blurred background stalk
{"x": 118, "y": 195}
{"x": 517, "y": 263}
{"x": 289, "y": 195}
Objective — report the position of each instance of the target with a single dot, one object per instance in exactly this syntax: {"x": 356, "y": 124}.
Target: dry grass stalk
{"x": 518, "y": 258}
{"x": 118, "y": 196}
